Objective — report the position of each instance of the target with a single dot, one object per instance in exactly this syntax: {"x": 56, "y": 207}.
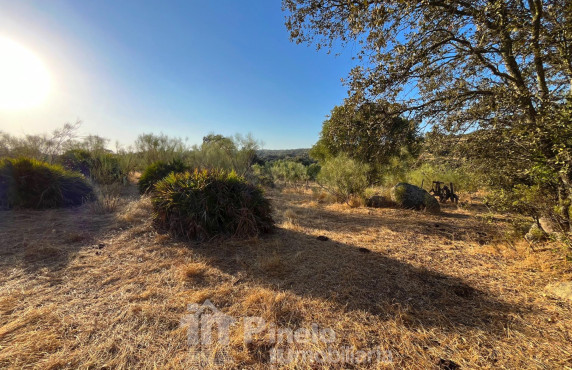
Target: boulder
{"x": 535, "y": 234}
{"x": 378, "y": 201}
{"x": 413, "y": 197}
{"x": 548, "y": 225}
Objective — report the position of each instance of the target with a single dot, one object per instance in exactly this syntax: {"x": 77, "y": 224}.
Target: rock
{"x": 364, "y": 250}
{"x": 535, "y": 234}
{"x": 562, "y": 289}
{"x": 378, "y": 201}
{"x": 550, "y": 225}
{"x": 323, "y": 238}
{"x": 413, "y": 197}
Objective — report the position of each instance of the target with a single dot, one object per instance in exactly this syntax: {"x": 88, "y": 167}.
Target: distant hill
{"x": 299, "y": 155}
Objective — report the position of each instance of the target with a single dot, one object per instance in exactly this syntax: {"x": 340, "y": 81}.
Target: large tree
{"x": 368, "y": 134}
{"x": 501, "y": 68}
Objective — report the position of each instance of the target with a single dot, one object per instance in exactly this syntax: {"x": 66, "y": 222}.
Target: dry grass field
{"x": 100, "y": 288}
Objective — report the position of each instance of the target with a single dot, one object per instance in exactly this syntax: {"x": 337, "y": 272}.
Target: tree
{"x": 497, "y": 66}
{"x": 366, "y": 133}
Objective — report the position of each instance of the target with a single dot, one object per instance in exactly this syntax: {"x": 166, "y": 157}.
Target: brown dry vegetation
{"x": 102, "y": 289}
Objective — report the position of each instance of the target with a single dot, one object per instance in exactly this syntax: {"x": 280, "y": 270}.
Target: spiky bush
{"x": 27, "y": 183}
{"x": 158, "y": 171}
{"x": 200, "y": 205}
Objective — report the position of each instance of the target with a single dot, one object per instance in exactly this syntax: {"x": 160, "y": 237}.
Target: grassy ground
{"x": 98, "y": 287}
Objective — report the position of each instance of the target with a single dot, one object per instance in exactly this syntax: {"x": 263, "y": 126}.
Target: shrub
{"x": 289, "y": 172}
{"x": 27, "y": 183}
{"x": 429, "y": 172}
{"x": 78, "y": 160}
{"x": 204, "y": 204}
{"x": 158, "y": 171}
{"x": 261, "y": 175}
{"x": 107, "y": 169}
{"x": 344, "y": 177}
{"x": 102, "y": 167}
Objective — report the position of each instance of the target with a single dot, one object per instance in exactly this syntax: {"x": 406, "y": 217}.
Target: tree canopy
{"x": 499, "y": 68}
{"x": 366, "y": 133}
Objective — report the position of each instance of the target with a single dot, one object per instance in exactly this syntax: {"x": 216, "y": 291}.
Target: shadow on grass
{"x": 355, "y": 279}
{"x": 34, "y": 240}
{"x": 448, "y": 225}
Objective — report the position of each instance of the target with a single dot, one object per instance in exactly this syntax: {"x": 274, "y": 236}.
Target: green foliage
{"x": 158, "y": 171}
{"x": 369, "y": 133}
{"x": 344, "y": 177}
{"x": 151, "y": 148}
{"x": 225, "y": 153}
{"x": 431, "y": 171}
{"x": 204, "y": 204}
{"x": 262, "y": 175}
{"x": 78, "y": 160}
{"x": 313, "y": 170}
{"x": 289, "y": 172}
{"x": 99, "y": 165}
{"x": 522, "y": 199}
{"x": 27, "y": 183}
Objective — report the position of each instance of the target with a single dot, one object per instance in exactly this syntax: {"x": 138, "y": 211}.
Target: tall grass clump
{"x": 28, "y": 183}
{"x": 344, "y": 177}
{"x": 158, "y": 171}
{"x": 203, "y": 204}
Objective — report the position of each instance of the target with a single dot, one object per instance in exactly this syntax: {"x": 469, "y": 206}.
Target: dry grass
{"x": 79, "y": 289}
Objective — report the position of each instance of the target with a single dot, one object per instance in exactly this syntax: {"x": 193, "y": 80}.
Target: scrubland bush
{"x": 226, "y": 153}
{"x": 289, "y": 172}
{"x": 429, "y": 172}
{"x": 101, "y": 166}
{"x": 27, "y": 183}
{"x": 262, "y": 175}
{"x": 344, "y": 177}
{"x": 151, "y": 148}
{"x": 203, "y": 204}
{"x": 158, "y": 171}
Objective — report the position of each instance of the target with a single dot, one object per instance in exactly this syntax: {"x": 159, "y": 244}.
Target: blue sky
{"x": 184, "y": 68}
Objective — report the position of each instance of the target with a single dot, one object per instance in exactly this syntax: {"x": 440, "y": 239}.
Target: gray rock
{"x": 562, "y": 290}
{"x": 413, "y": 197}
{"x": 550, "y": 225}
{"x": 535, "y": 234}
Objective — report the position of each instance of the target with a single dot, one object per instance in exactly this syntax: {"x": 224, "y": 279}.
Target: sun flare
{"x": 24, "y": 80}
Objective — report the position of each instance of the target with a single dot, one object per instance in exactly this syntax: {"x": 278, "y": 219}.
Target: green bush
{"x": 158, "y": 171}
{"x": 107, "y": 169}
{"x": 78, "y": 160}
{"x": 27, "y": 183}
{"x": 102, "y": 167}
{"x": 429, "y": 172}
{"x": 202, "y": 204}
{"x": 261, "y": 175}
{"x": 344, "y": 177}
{"x": 289, "y": 172}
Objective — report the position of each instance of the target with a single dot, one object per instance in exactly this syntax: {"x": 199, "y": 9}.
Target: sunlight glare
{"x": 24, "y": 80}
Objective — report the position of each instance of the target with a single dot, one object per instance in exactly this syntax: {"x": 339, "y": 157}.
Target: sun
{"x": 25, "y": 82}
